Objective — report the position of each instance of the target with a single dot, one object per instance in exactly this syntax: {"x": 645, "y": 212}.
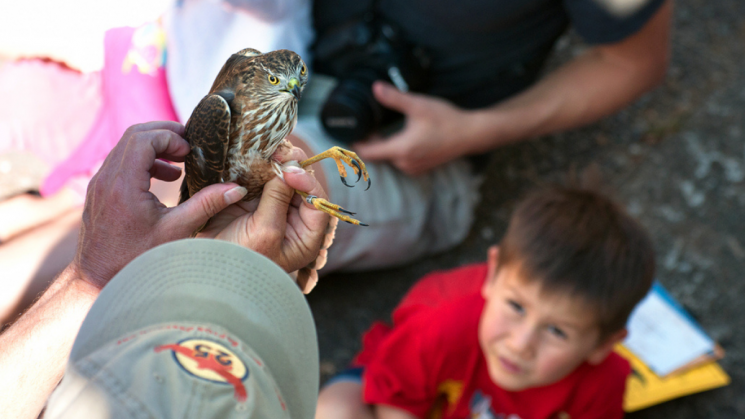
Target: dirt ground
{"x": 676, "y": 159}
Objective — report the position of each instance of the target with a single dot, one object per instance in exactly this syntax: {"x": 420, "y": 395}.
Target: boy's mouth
{"x": 509, "y": 366}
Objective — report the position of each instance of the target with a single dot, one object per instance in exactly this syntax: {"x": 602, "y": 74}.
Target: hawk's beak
{"x": 294, "y": 88}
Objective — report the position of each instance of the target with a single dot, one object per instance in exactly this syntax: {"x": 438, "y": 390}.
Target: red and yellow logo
{"x": 211, "y": 361}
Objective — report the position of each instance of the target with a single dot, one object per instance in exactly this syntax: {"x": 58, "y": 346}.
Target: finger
{"x": 196, "y": 210}
{"x": 165, "y": 171}
{"x": 146, "y": 146}
{"x": 249, "y": 206}
{"x": 409, "y": 167}
{"x": 272, "y": 210}
{"x": 301, "y": 180}
{"x": 294, "y": 154}
{"x": 373, "y": 138}
{"x": 169, "y": 145}
{"x": 387, "y": 149}
{"x": 156, "y": 125}
{"x": 297, "y": 201}
{"x": 392, "y": 98}
{"x": 308, "y": 213}
{"x": 305, "y": 182}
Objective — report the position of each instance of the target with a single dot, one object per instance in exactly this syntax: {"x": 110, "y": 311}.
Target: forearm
{"x": 598, "y": 83}
{"x": 35, "y": 349}
{"x": 580, "y": 93}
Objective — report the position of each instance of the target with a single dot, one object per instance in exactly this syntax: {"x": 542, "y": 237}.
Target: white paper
{"x": 663, "y": 337}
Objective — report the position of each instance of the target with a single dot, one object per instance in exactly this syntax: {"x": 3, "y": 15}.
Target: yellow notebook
{"x": 644, "y": 388}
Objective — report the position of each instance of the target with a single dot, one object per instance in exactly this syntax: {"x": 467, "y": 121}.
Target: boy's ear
{"x": 492, "y": 263}
{"x": 604, "y": 349}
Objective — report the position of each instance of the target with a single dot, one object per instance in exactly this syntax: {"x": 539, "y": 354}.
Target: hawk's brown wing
{"x": 208, "y": 132}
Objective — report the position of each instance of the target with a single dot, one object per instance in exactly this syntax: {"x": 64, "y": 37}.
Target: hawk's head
{"x": 277, "y": 77}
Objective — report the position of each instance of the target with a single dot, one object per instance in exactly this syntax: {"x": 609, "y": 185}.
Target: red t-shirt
{"x": 430, "y": 362}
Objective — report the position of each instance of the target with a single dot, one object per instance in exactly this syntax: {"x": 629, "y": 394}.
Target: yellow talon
{"x": 331, "y": 209}
{"x": 341, "y": 155}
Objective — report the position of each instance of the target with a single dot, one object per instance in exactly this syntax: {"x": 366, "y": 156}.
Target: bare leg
{"x": 25, "y": 212}
{"x": 30, "y": 261}
{"x": 343, "y": 400}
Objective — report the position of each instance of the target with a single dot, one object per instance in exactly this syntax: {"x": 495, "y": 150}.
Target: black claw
{"x": 359, "y": 170}
{"x": 369, "y": 182}
{"x": 364, "y": 225}
{"x": 344, "y": 181}
{"x": 346, "y": 212}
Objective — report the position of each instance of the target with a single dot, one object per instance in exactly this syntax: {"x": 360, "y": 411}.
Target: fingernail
{"x": 293, "y": 169}
{"x": 234, "y": 195}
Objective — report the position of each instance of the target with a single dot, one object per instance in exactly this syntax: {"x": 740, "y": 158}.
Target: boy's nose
{"x": 522, "y": 342}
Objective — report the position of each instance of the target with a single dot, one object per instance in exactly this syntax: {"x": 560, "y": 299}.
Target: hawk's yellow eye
{"x": 273, "y": 80}
{"x": 303, "y": 70}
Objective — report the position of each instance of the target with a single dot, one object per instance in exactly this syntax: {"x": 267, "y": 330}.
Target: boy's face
{"x": 530, "y": 338}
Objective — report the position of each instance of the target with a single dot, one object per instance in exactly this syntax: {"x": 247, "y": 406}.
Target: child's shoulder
{"x": 614, "y": 367}
{"x": 435, "y": 313}
{"x": 610, "y": 372}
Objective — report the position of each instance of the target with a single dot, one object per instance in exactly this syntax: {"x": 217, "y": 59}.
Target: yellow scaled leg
{"x": 352, "y": 160}
{"x": 329, "y": 208}
{"x": 341, "y": 155}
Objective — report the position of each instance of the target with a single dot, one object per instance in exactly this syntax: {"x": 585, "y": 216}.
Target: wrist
{"x": 70, "y": 288}
{"x": 483, "y": 130}
{"x": 74, "y": 278}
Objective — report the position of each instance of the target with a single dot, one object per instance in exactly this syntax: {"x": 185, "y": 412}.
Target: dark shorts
{"x": 353, "y": 374}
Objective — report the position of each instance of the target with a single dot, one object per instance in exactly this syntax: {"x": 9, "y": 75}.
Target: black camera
{"x": 357, "y": 54}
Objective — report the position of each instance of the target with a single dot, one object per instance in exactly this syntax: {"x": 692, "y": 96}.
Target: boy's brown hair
{"x": 578, "y": 242}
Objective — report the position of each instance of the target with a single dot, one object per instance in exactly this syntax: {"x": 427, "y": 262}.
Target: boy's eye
{"x": 557, "y": 332}
{"x": 514, "y": 305}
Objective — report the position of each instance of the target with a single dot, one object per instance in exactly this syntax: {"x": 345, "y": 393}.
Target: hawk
{"x": 237, "y": 132}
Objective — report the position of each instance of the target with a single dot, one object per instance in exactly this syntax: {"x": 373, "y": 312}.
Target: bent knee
{"x": 342, "y": 400}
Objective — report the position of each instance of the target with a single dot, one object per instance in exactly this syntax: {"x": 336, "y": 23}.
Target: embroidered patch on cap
{"x": 211, "y": 361}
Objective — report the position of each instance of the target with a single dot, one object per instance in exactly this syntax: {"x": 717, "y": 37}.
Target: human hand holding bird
{"x": 237, "y": 133}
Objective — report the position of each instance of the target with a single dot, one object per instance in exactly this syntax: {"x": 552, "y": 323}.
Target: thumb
{"x": 198, "y": 209}
{"x": 392, "y": 98}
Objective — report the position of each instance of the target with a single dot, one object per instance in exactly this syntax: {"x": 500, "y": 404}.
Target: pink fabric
{"x": 46, "y": 108}
{"x": 131, "y": 95}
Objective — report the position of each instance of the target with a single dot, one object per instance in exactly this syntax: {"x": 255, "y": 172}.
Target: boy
{"x": 530, "y": 334}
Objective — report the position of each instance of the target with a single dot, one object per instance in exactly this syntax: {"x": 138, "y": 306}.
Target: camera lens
{"x": 351, "y": 113}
